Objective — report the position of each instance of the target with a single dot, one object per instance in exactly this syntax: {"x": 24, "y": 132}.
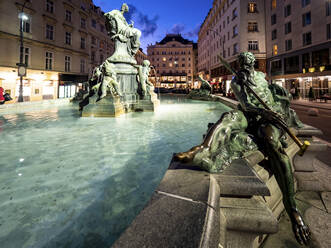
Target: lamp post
{"x": 21, "y": 66}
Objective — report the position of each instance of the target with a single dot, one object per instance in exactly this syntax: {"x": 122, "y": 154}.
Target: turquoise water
{"x": 67, "y": 181}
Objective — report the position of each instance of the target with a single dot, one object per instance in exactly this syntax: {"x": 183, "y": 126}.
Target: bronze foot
{"x": 300, "y": 229}
{"x": 187, "y": 157}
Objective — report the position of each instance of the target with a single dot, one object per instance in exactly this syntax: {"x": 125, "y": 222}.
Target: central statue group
{"x": 254, "y": 127}
{"x": 119, "y": 76}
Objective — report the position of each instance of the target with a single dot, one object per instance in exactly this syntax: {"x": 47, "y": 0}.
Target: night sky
{"x": 157, "y": 18}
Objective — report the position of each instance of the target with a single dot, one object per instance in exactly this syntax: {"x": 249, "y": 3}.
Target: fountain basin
{"x": 67, "y": 181}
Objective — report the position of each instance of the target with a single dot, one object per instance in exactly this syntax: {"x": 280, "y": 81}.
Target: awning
{"x": 73, "y": 78}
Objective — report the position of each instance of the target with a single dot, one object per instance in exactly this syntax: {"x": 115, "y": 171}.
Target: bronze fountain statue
{"x": 261, "y": 122}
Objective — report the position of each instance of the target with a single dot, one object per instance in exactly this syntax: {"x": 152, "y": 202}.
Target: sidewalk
{"x": 312, "y": 104}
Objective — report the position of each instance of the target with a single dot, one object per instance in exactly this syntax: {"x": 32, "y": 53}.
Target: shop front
{"x": 37, "y": 85}
{"x": 308, "y": 87}
{"x": 70, "y": 84}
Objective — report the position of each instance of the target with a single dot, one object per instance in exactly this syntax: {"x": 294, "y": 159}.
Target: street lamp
{"x": 21, "y": 66}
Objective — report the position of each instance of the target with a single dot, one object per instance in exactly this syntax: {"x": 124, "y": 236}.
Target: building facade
{"x": 63, "y": 42}
{"x": 298, "y": 37}
{"x": 174, "y": 62}
{"x": 231, "y": 27}
{"x": 140, "y": 56}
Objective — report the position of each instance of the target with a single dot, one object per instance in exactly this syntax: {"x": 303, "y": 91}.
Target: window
{"x": 49, "y": 61}
{"x": 68, "y": 16}
{"x": 82, "y": 43}
{"x": 68, "y": 38}
{"x": 82, "y": 23}
{"x": 252, "y": 27}
{"x": 183, "y": 65}
{"x": 252, "y": 8}
{"x": 306, "y": 38}
{"x": 82, "y": 6}
{"x": 304, "y": 3}
{"x": 234, "y": 13}
{"x": 328, "y": 7}
{"x": 273, "y": 19}
{"x": 94, "y": 40}
{"x": 49, "y": 32}
{"x": 49, "y": 6}
{"x": 288, "y": 45}
{"x": 94, "y": 23}
{"x": 227, "y": 19}
{"x": 67, "y": 63}
{"x": 102, "y": 44}
{"x": 102, "y": 28}
{"x": 25, "y": 52}
{"x": 27, "y": 25}
{"x": 288, "y": 28}
{"x": 228, "y": 35}
{"x": 253, "y": 45}
{"x": 273, "y": 4}
{"x": 235, "y": 48}
{"x": 274, "y": 34}
{"x": 287, "y": 10}
{"x": 235, "y": 31}
{"x": 328, "y": 31}
{"x": 275, "y": 49}
{"x": 228, "y": 51}
{"x": 93, "y": 56}
{"x": 306, "y": 19}
{"x": 101, "y": 58}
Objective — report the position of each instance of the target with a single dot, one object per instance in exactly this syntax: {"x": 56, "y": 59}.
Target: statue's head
{"x": 125, "y": 8}
{"x": 246, "y": 59}
{"x": 146, "y": 63}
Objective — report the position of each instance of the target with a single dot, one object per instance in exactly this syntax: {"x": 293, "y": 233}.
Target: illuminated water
{"x": 67, "y": 181}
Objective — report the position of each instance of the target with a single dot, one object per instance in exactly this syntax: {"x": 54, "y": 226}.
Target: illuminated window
{"x": 252, "y": 27}
{"x": 273, "y": 4}
{"x": 164, "y": 59}
{"x": 275, "y": 50}
{"x": 252, "y": 8}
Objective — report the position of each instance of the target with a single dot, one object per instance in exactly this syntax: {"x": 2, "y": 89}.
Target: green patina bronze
{"x": 119, "y": 85}
{"x": 203, "y": 91}
{"x": 253, "y": 127}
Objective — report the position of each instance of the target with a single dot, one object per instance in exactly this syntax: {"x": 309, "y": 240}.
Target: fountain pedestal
{"x": 108, "y": 106}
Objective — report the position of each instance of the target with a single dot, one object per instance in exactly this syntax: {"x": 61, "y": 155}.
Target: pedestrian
{"x": 292, "y": 91}
{"x": 2, "y": 98}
